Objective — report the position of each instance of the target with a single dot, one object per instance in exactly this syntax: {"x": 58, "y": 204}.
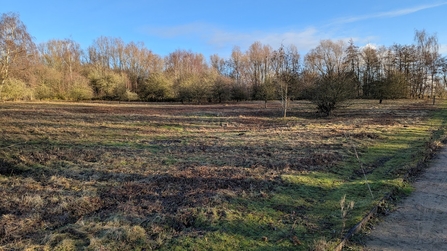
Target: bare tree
{"x": 286, "y": 64}
{"x": 16, "y": 45}
{"x": 443, "y": 66}
{"x": 99, "y": 53}
{"x": 220, "y": 65}
{"x": 427, "y": 48}
{"x": 63, "y": 55}
{"x": 221, "y": 90}
{"x": 370, "y": 69}
{"x": 404, "y": 62}
{"x": 192, "y": 78}
{"x": 60, "y": 72}
{"x": 352, "y": 59}
{"x": 238, "y": 64}
{"x": 259, "y": 67}
{"x": 132, "y": 60}
{"x": 332, "y": 83}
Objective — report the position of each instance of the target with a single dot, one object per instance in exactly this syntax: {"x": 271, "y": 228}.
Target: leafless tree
{"x": 239, "y": 73}
{"x": 352, "y": 59}
{"x": 370, "y": 69}
{"x": 259, "y": 62}
{"x": 333, "y": 84}
{"x": 190, "y": 74}
{"x": 16, "y": 46}
{"x": 62, "y": 55}
{"x": 428, "y": 52}
{"x": 286, "y": 64}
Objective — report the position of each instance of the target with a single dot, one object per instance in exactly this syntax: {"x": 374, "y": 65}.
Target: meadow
{"x": 236, "y": 176}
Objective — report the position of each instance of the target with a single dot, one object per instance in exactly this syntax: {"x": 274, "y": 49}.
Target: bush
{"x": 390, "y": 87}
{"x": 330, "y": 92}
{"x": 109, "y": 85}
{"x": 239, "y": 92}
{"x": 49, "y": 84}
{"x": 221, "y": 89}
{"x": 196, "y": 88}
{"x": 16, "y": 89}
{"x": 43, "y": 91}
{"x": 155, "y": 88}
{"x": 129, "y": 96}
{"x": 80, "y": 89}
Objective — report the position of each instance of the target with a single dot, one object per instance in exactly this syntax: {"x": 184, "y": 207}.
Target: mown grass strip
{"x": 422, "y": 145}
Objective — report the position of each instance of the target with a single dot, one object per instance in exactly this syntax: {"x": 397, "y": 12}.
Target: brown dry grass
{"x": 133, "y": 176}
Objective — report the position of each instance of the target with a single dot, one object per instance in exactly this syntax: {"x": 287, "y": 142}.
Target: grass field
{"x": 109, "y": 176}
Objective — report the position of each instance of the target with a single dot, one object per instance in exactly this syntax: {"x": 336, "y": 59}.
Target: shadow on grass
{"x": 252, "y": 209}
{"x": 236, "y": 206}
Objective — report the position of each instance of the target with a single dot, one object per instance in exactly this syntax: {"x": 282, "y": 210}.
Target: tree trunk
{"x": 1, "y": 88}
{"x": 285, "y": 107}
{"x": 286, "y": 89}
{"x": 433, "y": 89}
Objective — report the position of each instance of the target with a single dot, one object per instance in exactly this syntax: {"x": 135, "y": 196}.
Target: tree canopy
{"x": 332, "y": 72}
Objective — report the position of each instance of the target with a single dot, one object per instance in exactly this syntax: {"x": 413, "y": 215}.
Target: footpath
{"x": 420, "y": 221}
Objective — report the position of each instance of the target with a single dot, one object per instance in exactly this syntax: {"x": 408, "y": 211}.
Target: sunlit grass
{"x": 134, "y": 176}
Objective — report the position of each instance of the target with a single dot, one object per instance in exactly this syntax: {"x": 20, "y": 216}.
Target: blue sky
{"x": 215, "y": 27}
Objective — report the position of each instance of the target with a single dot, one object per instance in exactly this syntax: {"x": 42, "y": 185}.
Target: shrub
{"x": 109, "y": 85}
{"x": 16, "y": 89}
{"x": 330, "y": 92}
{"x": 155, "y": 88}
{"x": 79, "y": 89}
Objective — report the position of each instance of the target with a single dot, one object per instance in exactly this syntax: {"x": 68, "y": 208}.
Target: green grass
{"x": 236, "y": 177}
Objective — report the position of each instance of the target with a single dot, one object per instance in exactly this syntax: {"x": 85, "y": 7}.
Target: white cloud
{"x": 221, "y": 39}
{"x": 304, "y": 40}
{"x": 443, "y": 49}
{"x": 388, "y": 14}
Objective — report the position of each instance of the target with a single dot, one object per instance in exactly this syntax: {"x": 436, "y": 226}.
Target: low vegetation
{"x": 113, "y": 70}
{"x": 238, "y": 176}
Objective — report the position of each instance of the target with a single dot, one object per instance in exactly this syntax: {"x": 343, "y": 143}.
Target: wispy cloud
{"x": 443, "y": 49}
{"x": 222, "y": 39}
{"x": 303, "y": 39}
{"x": 388, "y": 14}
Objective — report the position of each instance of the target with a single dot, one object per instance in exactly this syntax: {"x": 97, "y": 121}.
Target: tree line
{"x": 110, "y": 69}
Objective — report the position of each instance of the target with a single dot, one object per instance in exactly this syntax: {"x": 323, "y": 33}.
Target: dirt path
{"x": 420, "y": 222}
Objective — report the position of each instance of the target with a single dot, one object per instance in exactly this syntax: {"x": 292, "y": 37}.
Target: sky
{"x": 216, "y": 27}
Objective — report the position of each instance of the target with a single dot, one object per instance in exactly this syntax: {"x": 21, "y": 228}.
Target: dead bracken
{"x": 133, "y": 176}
